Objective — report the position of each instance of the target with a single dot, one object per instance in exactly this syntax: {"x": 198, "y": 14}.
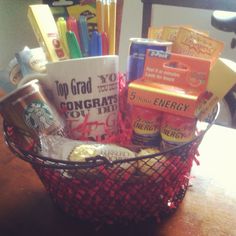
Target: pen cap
{"x": 72, "y": 26}
{"x": 95, "y": 44}
{"x": 62, "y": 29}
{"x": 73, "y": 45}
{"x": 84, "y": 36}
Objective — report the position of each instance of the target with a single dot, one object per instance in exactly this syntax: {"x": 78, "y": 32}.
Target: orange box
{"x": 177, "y": 70}
{"x": 164, "y": 98}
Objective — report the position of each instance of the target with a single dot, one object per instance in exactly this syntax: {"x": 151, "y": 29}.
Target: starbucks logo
{"x": 38, "y": 116}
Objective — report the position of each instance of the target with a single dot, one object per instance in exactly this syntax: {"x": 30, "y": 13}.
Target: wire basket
{"x": 122, "y": 191}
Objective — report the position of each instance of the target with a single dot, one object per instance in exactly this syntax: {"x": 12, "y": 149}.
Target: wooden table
{"x": 209, "y": 207}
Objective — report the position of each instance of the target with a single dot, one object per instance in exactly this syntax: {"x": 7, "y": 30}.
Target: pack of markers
{"x": 76, "y": 32}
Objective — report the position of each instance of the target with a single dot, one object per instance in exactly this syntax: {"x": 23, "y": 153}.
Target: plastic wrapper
{"x": 62, "y": 148}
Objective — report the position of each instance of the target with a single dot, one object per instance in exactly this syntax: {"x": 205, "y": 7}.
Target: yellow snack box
{"x": 222, "y": 78}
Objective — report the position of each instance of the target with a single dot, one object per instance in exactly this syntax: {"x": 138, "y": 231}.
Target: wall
{"x": 15, "y": 29}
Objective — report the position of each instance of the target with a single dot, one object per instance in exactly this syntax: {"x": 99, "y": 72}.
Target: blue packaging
{"x": 137, "y": 54}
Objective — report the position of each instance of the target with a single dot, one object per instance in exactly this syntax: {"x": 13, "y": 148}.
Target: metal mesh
{"x": 115, "y": 192}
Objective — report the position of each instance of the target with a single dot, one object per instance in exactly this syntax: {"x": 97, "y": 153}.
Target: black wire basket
{"x": 120, "y": 191}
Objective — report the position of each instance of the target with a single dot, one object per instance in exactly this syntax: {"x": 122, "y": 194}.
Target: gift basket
{"x": 114, "y": 189}
{"x": 107, "y": 148}
{"x": 124, "y": 190}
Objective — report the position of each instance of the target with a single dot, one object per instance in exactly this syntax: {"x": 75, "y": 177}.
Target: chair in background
{"x": 226, "y": 21}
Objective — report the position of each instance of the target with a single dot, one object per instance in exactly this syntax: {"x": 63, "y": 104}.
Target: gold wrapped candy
{"x": 153, "y": 166}
{"x": 110, "y": 151}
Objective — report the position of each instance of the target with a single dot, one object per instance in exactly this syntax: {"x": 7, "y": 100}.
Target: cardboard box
{"x": 221, "y": 79}
{"x": 45, "y": 29}
{"x": 171, "y": 83}
{"x": 164, "y": 98}
{"x": 192, "y": 42}
{"x": 177, "y": 70}
{"x": 187, "y": 103}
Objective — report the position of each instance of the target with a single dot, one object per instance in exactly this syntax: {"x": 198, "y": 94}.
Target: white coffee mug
{"x": 85, "y": 90}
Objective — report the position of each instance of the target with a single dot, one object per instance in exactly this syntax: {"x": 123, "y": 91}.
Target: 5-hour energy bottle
{"x": 146, "y": 126}
{"x": 176, "y": 130}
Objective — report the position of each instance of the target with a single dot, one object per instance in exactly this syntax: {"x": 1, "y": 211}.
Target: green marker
{"x": 74, "y": 48}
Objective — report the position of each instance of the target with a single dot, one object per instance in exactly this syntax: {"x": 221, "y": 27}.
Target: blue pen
{"x": 99, "y": 45}
{"x": 95, "y": 44}
{"x": 84, "y": 36}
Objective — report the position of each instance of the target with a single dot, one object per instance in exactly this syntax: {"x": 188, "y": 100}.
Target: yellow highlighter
{"x": 112, "y": 27}
{"x": 62, "y": 29}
